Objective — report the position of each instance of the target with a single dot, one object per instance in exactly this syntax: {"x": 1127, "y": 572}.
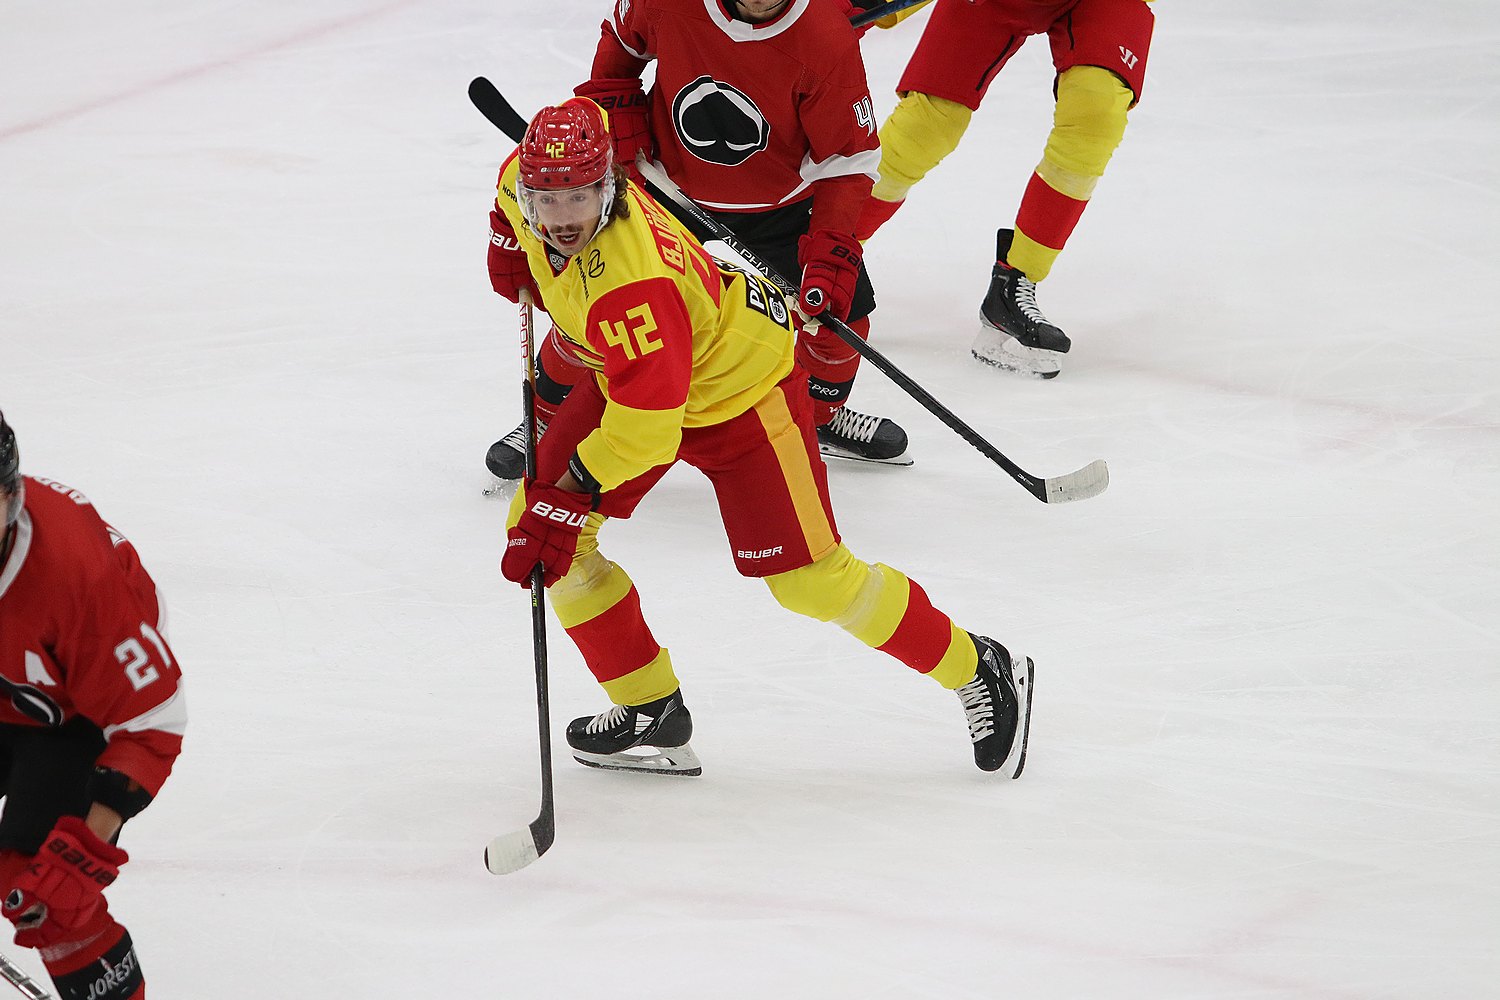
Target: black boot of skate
{"x": 651, "y": 737}
{"x": 1014, "y": 334}
{"x": 863, "y": 437}
{"x": 506, "y": 458}
{"x": 997, "y": 703}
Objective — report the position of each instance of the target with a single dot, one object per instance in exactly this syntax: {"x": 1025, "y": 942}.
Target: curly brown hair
{"x": 620, "y": 209}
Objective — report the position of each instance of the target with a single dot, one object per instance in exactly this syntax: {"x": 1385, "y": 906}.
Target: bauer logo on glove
{"x": 562, "y": 515}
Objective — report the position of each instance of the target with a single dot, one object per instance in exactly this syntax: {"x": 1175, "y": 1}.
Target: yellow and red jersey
{"x": 675, "y": 338}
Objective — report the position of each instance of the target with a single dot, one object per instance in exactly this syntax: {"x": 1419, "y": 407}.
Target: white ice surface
{"x": 243, "y": 306}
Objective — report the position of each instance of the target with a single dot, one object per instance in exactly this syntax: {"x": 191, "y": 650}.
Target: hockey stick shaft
{"x": 876, "y": 13}
{"x": 512, "y": 851}
{"x": 1081, "y": 484}
{"x": 1084, "y": 483}
{"x": 23, "y": 983}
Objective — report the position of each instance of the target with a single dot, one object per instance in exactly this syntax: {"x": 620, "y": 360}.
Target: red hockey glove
{"x": 547, "y": 533}
{"x": 629, "y": 117}
{"x": 510, "y": 274}
{"x": 830, "y": 268}
{"x": 63, "y": 886}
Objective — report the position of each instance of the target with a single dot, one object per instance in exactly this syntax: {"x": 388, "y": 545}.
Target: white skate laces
{"x": 516, "y": 438}
{"x": 979, "y": 708}
{"x": 1026, "y": 300}
{"x": 605, "y": 721}
{"x": 853, "y": 425}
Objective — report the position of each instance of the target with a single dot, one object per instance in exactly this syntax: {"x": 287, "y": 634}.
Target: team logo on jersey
{"x": 32, "y": 703}
{"x": 719, "y": 123}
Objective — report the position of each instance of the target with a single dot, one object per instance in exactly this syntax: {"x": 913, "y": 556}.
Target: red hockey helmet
{"x": 566, "y": 146}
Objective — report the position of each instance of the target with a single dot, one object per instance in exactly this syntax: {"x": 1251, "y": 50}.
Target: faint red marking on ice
{"x": 67, "y": 114}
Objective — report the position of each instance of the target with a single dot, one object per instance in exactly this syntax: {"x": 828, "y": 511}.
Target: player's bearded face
{"x": 568, "y": 218}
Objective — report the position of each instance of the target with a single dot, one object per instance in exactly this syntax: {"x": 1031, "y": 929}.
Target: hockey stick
{"x": 1080, "y": 484}
{"x": 513, "y": 851}
{"x": 876, "y": 13}
{"x": 17, "y": 977}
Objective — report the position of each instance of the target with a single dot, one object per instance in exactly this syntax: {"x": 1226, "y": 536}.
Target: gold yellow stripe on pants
{"x": 791, "y": 454}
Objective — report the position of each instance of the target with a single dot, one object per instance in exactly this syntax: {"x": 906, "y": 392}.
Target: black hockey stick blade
{"x": 493, "y": 105}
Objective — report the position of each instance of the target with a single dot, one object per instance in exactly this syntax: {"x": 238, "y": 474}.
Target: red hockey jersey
{"x": 787, "y": 100}
{"x": 81, "y": 635}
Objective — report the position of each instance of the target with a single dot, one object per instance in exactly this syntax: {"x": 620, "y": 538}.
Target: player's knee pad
{"x": 1088, "y": 124}
{"x": 919, "y": 133}
{"x": 592, "y": 585}
{"x": 824, "y": 590}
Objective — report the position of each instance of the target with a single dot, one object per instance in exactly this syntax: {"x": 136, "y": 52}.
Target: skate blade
{"x": 651, "y": 760}
{"x": 1013, "y": 764}
{"x": 834, "y": 451}
{"x": 999, "y": 349}
{"x": 500, "y": 489}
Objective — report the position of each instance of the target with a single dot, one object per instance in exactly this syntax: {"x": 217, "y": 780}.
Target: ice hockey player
{"x": 760, "y": 112}
{"x": 1099, "y": 49}
{"x": 690, "y": 360}
{"x": 90, "y": 730}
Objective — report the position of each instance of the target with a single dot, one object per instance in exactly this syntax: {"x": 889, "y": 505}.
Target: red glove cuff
{"x": 89, "y": 841}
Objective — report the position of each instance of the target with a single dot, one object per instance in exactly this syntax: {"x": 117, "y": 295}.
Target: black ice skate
{"x": 506, "y": 458}
{"x": 997, "y": 703}
{"x": 1014, "y": 334}
{"x": 651, "y": 737}
{"x": 861, "y": 437}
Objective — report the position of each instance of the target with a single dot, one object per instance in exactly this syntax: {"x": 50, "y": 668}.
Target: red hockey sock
{"x": 921, "y": 639}
{"x": 830, "y": 365}
{"x": 616, "y": 640}
{"x": 1047, "y": 216}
